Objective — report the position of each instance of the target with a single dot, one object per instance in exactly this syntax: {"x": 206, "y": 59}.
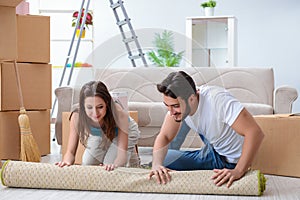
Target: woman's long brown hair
{"x": 98, "y": 89}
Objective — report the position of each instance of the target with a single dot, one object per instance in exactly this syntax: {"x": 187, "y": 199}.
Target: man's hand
{"x": 161, "y": 173}
{"x": 223, "y": 176}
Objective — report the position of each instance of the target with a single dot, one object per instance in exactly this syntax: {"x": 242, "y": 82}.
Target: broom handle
{"x": 19, "y": 87}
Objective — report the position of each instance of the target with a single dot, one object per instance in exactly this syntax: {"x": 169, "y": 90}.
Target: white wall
{"x": 280, "y": 42}
{"x": 268, "y": 30}
{"x": 268, "y": 35}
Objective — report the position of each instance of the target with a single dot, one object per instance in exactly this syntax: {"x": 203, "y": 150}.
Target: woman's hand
{"x": 68, "y": 160}
{"x": 109, "y": 167}
{"x": 63, "y": 163}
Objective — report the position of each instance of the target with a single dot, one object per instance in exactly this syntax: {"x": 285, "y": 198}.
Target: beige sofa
{"x": 254, "y": 87}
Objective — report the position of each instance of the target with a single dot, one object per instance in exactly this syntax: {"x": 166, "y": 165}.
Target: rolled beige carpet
{"x": 96, "y": 178}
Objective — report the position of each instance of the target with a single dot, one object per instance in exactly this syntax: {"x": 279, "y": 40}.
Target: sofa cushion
{"x": 258, "y": 108}
{"x": 150, "y": 113}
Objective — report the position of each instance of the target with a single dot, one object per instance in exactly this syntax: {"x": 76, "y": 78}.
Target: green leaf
{"x": 153, "y": 58}
{"x": 164, "y": 54}
{"x": 210, "y": 3}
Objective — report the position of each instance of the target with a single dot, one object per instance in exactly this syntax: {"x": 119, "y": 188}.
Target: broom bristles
{"x": 29, "y": 149}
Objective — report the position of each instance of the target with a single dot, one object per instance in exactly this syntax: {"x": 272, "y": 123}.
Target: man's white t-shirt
{"x": 216, "y": 112}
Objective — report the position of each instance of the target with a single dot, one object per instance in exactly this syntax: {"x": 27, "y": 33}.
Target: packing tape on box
{"x": 96, "y": 178}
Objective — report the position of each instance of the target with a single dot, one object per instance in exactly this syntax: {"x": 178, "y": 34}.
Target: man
{"x": 229, "y": 132}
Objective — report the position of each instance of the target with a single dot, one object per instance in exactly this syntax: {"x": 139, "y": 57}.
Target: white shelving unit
{"x": 212, "y": 41}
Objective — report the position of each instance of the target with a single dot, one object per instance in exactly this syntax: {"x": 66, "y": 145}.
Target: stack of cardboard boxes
{"x": 26, "y": 39}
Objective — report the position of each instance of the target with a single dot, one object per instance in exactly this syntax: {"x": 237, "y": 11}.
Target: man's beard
{"x": 178, "y": 120}
{"x": 186, "y": 113}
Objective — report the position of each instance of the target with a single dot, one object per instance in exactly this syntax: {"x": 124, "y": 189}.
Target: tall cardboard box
{"x": 33, "y": 38}
{"x": 10, "y": 132}
{"x": 8, "y": 30}
{"x": 279, "y": 153}
{"x": 35, "y": 83}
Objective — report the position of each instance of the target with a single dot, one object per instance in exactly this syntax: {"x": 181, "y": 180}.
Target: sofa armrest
{"x": 64, "y": 97}
{"x": 284, "y": 98}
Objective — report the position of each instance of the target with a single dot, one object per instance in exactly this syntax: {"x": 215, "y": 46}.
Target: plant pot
{"x": 209, "y": 11}
{"x": 78, "y": 33}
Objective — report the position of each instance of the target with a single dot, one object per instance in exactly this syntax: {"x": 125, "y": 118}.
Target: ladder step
{"x": 123, "y": 22}
{"x": 127, "y": 40}
{"x": 115, "y": 5}
{"x": 135, "y": 57}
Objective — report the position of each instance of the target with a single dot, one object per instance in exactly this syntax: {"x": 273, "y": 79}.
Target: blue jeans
{"x": 205, "y": 158}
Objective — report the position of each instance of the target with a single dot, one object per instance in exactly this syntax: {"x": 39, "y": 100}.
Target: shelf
{"x": 212, "y": 49}
{"x": 204, "y": 19}
{"x": 68, "y": 40}
{"x": 55, "y": 11}
{"x": 213, "y": 41}
{"x": 211, "y": 17}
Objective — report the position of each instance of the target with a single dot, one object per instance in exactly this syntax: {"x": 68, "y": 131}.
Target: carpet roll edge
{"x": 2, "y": 172}
{"x": 261, "y": 182}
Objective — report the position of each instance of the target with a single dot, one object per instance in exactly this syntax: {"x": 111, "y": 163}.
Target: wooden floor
{"x": 278, "y": 187}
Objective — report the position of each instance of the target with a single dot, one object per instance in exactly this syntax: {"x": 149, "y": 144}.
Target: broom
{"x": 29, "y": 149}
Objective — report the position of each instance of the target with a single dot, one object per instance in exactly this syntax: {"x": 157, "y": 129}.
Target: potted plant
{"x": 164, "y": 54}
{"x": 88, "y": 21}
{"x": 209, "y": 7}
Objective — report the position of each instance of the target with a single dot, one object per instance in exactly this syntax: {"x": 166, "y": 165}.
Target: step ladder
{"x": 117, "y": 7}
{"x": 86, "y": 8}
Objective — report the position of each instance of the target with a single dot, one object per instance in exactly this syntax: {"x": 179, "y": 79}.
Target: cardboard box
{"x": 10, "y": 132}
{"x": 35, "y": 84}
{"x": 66, "y": 132}
{"x": 279, "y": 153}
{"x": 33, "y": 38}
{"x": 8, "y": 30}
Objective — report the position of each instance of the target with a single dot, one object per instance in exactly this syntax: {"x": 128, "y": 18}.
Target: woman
{"x": 104, "y": 128}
